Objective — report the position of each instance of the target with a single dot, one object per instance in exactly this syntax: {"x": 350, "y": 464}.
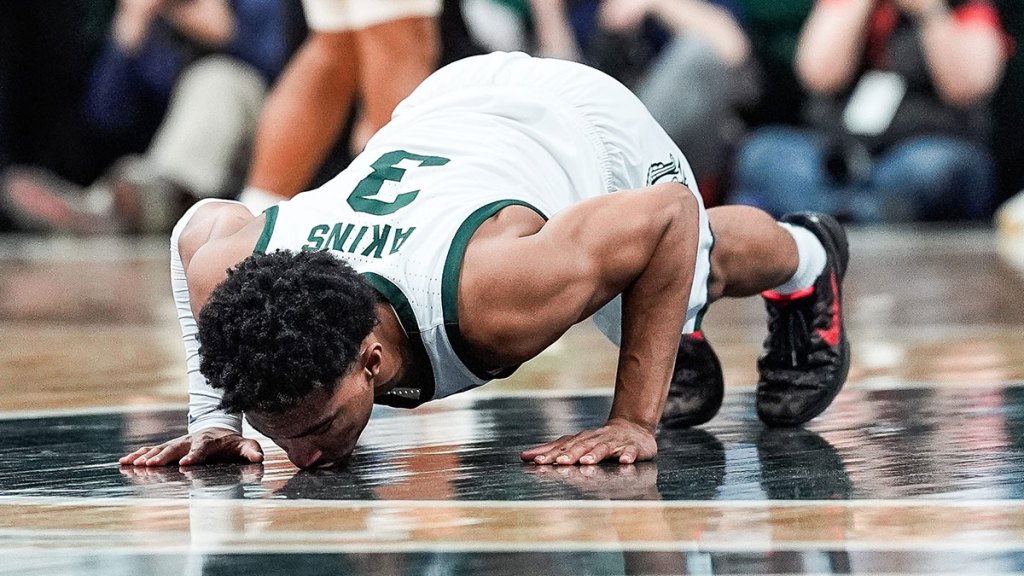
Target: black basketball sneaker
{"x": 695, "y": 394}
{"x": 806, "y": 355}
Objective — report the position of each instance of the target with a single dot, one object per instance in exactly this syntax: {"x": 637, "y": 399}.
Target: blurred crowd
{"x": 115, "y": 115}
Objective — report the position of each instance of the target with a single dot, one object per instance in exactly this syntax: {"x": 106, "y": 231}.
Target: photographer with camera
{"x": 897, "y": 115}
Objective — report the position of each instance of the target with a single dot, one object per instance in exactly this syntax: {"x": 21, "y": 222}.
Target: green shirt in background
{"x": 774, "y": 28}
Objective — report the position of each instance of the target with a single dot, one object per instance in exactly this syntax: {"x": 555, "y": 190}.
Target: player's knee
{"x": 414, "y": 39}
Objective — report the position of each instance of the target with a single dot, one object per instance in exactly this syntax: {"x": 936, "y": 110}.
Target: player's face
{"x": 322, "y": 430}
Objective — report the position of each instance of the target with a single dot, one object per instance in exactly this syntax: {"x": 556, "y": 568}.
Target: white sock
{"x": 257, "y": 199}
{"x": 811, "y": 257}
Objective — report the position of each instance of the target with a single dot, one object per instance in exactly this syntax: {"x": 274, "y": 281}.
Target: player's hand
{"x": 620, "y": 439}
{"x": 210, "y": 445}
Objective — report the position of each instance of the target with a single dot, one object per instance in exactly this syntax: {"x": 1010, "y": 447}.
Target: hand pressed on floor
{"x": 210, "y": 445}
{"x": 618, "y": 438}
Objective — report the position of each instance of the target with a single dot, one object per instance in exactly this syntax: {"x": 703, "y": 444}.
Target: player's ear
{"x": 370, "y": 359}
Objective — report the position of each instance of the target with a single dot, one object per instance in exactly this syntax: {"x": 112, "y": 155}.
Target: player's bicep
{"x": 537, "y": 286}
{"x": 615, "y": 235}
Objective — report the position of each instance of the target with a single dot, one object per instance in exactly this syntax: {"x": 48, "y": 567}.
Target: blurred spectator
{"x": 697, "y": 84}
{"x": 457, "y": 41}
{"x": 500, "y": 25}
{"x": 898, "y": 116}
{"x": 196, "y": 69}
{"x": 560, "y": 29}
{"x": 378, "y": 50}
{"x": 1008, "y": 122}
{"x": 774, "y": 28}
{"x": 46, "y": 50}
{"x": 1010, "y": 231}
{"x": 574, "y": 30}
{"x": 689, "y": 61}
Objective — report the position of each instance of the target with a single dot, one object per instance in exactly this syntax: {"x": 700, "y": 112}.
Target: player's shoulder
{"x": 210, "y": 222}
{"x": 218, "y": 236}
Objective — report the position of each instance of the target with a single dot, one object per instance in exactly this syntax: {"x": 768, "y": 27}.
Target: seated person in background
{"x": 897, "y": 119}
{"x": 196, "y": 72}
{"x": 656, "y": 47}
{"x": 509, "y": 198}
{"x": 709, "y": 57}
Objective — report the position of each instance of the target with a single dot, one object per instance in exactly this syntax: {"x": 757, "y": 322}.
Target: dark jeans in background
{"x": 928, "y": 178}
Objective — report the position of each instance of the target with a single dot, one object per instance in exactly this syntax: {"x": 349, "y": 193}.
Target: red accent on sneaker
{"x": 773, "y": 295}
{"x": 696, "y": 335}
{"x": 831, "y": 334}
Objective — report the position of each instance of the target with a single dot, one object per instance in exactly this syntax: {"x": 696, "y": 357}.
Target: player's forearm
{"x": 653, "y": 312}
{"x": 711, "y": 22}
{"x": 555, "y": 38}
{"x": 645, "y": 363}
{"x": 131, "y": 25}
{"x": 204, "y": 400}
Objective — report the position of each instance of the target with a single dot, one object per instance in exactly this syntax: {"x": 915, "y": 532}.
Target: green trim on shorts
{"x": 268, "y": 230}
{"x": 707, "y": 287}
{"x": 450, "y": 280}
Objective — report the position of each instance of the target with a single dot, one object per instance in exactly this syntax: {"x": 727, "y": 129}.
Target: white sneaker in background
{"x": 1010, "y": 231}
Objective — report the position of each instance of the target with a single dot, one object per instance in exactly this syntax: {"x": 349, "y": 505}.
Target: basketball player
{"x": 509, "y": 198}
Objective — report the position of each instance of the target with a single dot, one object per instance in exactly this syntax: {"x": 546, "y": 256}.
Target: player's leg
{"x": 302, "y": 117}
{"x": 205, "y": 137}
{"x": 751, "y": 254}
{"x": 798, "y": 266}
{"x": 395, "y": 57}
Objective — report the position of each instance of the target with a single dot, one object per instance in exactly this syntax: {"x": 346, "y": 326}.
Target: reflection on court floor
{"x": 917, "y": 468}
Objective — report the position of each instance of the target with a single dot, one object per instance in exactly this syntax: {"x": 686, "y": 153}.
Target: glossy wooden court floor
{"x": 918, "y": 467}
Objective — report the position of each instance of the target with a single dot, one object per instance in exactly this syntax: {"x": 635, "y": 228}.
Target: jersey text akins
{"x": 374, "y": 241}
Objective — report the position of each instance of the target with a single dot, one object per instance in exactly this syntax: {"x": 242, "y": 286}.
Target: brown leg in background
{"x": 304, "y": 113}
{"x": 395, "y": 56}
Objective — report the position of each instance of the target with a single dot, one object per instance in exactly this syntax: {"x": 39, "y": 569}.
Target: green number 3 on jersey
{"x": 385, "y": 169}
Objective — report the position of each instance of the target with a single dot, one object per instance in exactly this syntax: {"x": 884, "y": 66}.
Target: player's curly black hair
{"x": 281, "y": 326}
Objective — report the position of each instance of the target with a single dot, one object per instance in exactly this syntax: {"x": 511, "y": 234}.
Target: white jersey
{"x": 477, "y": 136}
